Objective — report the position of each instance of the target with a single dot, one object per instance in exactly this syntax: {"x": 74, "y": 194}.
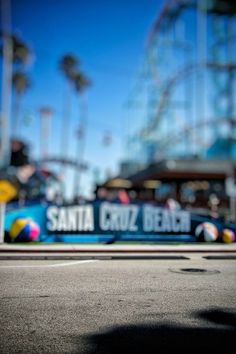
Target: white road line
{"x": 51, "y": 265}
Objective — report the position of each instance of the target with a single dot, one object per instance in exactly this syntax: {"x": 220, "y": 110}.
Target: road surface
{"x": 118, "y": 306}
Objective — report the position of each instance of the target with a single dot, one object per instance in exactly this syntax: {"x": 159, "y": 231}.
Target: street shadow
{"x": 218, "y": 334}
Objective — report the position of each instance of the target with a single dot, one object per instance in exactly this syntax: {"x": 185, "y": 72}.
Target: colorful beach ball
{"x": 24, "y": 230}
{"x": 228, "y": 236}
{"x": 206, "y": 232}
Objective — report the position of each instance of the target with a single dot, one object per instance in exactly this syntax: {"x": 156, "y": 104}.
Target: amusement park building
{"x": 199, "y": 185}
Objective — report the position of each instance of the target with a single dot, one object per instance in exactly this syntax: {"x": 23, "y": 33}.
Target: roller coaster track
{"x": 179, "y": 136}
{"x": 66, "y": 162}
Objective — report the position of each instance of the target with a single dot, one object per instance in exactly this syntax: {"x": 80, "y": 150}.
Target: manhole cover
{"x": 194, "y": 271}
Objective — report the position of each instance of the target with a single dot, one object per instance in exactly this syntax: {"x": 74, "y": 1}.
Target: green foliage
{"x": 20, "y": 82}
{"x": 69, "y": 65}
{"x": 21, "y": 52}
{"x": 81, "y": 82}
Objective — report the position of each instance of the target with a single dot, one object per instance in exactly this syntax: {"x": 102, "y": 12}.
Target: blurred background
{"x": 128, "y": 101}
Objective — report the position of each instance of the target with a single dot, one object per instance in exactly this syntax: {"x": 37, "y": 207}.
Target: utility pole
{"x": 6, "y": 90}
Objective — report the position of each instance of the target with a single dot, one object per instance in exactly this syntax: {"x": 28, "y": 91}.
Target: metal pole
{"x": 201, "y": 75}
{"x": 232, "y": 208}
{"x": 2, "y": 220}
{"x": 6, "y": 84}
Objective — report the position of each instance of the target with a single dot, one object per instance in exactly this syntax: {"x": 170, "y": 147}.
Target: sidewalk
{"x": 101, "y": 248}
{"x": 115, "y": 251}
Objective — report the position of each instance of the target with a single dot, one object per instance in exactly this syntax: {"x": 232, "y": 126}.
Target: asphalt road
{"x": 118, "y": 306}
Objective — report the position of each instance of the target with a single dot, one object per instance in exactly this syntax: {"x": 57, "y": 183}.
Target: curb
{"x": 92, "y": 257}
{"x": 118, "y": 250}
{"x": 113, "y": 256}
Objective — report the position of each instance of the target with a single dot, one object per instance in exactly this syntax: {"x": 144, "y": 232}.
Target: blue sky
{"x": 109, "y": 39}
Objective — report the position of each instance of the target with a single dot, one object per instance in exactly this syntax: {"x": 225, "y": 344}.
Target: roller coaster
{"x": 182, "y": 103}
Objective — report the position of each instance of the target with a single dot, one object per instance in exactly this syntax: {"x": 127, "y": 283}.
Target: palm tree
{"x": 76, "y": 80}
{"x": 81, "y": 83}
{"x": 21, "y": 52}
{"x": 14, "y": 52}
{"x": 68, "y": 66}
{"x": 21, "y": 83}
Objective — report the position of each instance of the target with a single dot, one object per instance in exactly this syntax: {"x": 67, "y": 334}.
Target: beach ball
{"x": 24, "y": 230}
{"x": 206, "y": 232}
{"x": 228, "y": 236}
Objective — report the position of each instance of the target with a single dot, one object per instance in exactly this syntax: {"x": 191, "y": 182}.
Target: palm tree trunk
{"x": 65, "y": 133}
{"x": 16, "y": 114}
{"x": 81, "y": 144}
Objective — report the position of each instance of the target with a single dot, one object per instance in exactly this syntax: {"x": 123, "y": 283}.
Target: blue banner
{"x": 116, "y": 218}
{"x": 106, "y": 221}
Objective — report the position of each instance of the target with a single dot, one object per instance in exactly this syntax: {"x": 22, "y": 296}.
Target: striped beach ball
{"x": 228, "y": 236}
{"x": 206, "y": 232}
{"x": 24, "y": 230}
